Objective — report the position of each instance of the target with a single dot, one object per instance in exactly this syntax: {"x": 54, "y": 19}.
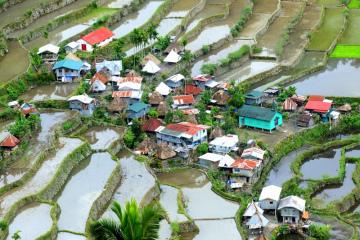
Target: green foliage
{"x": 346, "y": 51}
{"x": 319, "y": 232}
{"x": 208, "y": 68}
{"x": 162, "y": 42}
{"x": 206, "y": 97}
{"x": 187, "y": 57}
{"x": 244, "y": 17}
{"x": 93, "y": 4}
{"x": 24, "y": 126}
{"x": 68, "y": 125}
{"x": 101, "y": 114}
{"x": 202, "y": 148}
{"x": 3, "y": 44}
{"x": 153, "y": 113}
{"x": 256, "y": 49}
{"x": 230, "y": 123}
{"x": 134, "y": 135}
{"x": 286, "y": 93}
{"x": 354, "y": 4}
{"x": 129, "y": 138}
{"x": 175, "y": 228}
{"x": 83, "y": 87}
{"x": 205, "y": 49}
{"x": 132, "y": 222}
{"x": 35, "y": 58}
{"x": 237, "y": 93}
{"x": 237, "y": 55}
{"x": 169, "y": 116}
{"x": 16, "y": 235}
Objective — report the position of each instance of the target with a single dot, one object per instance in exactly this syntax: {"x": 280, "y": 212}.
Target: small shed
{"x": 289, "y": 105}
{"x": 210, "y": 160}
{"x": 163, "y": 89}
{"x": 175, "y": 81}
{"x": 99, "y": 81}
{"x": 49, "y": 53}
{"x": 155, "y": 98}
{"x": 162, "y": 109}
{"x": 151, "y": 67}
{"x": 291, "y": 209}
{"x": 172, "y": 57}
{"x": 305, "y": 120}
{"x": 8, "y": 142}
{"x": 150, "y": 57}
{"x": 254, "y": 98}
{"x": 269, "y": 197}
{"x": 137, "y": 110}
{"x": 151, "y": 125}
{"x": 117, "y": 105}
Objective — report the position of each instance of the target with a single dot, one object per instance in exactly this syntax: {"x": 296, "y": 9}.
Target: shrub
{"x": 237, "y": 55}
{"x": 24, "y": 126}
{"x": 202, "y": 149}
{"x": 129, "y": 138}
{"x": 319, "y": 232}
{"x": 205, "y": 49}
{"x": 208, "y": 68}
{"x": 153, "y": 113}
{"x": 244, "y": 17}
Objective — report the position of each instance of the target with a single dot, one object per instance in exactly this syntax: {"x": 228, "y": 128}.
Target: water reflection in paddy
{"x": 55, "y": 92}
{"x": 282, "y": 171}
{"x": 324, "y": 164}
{"x": 355, "y": 152}
{"x": 82, "y": 189}
{"x": 165, "y": 230}
{"x": 32, "y": 222}
{"x": 340, "y": 78}
{"x": 119, "y": 3}
{"x": 168, "y": 200}
{"x": 101, "y": 138}
{"x": 190, "y": 178}
{"x": 69, "y": 236}
{"x": 336, "y": 193}
{"x": 217, "y": 229}
{"x": 137, "y": 19}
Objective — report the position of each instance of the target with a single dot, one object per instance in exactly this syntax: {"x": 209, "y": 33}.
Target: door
{"x": 83, "y": 47}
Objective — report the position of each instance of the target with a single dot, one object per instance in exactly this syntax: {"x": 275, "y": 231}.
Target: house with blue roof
{"x": 254, "y": 98}
{"x": 113, "y": 68}
{"x": 137, "y": 110}
{"x": 67, "y": 70}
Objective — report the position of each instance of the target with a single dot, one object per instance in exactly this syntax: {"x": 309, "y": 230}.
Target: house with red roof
{"x": 99, "y": 81}
{"x": 8, "y": 142}
{"x": 192, "y": 90}
{"x": 246, "y": 170}
{"x": 205, "y": 81}
{"x": 183, "y": 101}
{"x": 182, "y": 136}
{"x": 100, "y": 37}
{"x": 152, "y": 125}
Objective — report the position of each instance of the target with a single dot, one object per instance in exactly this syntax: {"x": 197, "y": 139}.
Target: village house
{"x": 190, "y": 89}
{"x": 112, "y": 68}
{"x": 28, "y": 109}
{"x": 220, "y": 98}
{"x": 82, "y": 103}
{"x": 225, "y": 163}
{"x": 137, "y": 110}
{"x": 163, "y": 89}
{"x": 291, "y": 209}
{"x": 272, "y": 91}
{"x": 259, "y": 117}
{"x": 319, "y": 105}
{"x": 205, "y": 81}
{"x": 224, "y": 144}
{"x": 129, "y": 96}
{"x": 72, "y": 47}
{"x": 175, "y": 81}
{"x": 174, "y": 47}
{"x": 289, "y": 105}
{"x": 98, "y": 82}
{"x": 182, "y": 136}
{"x": 246, "y": 170}
{"x": 254, "y": 218}
{"x": 151, "y": 67}
{"x": 68, "y": 70}
{"x": 251, "y": 209}
{"x": 8, "y": 142}
{"x": 131, "y": 81}
{"x": 212, "y": 160}
{"x": 49, "y": 53}
{"x": 254, "y": 153}
{"x": 150, "y": 57}
{"x": 172, "y": 57}
{"x": 100, "y": 37}
{"x": 270, "y": 197}
{"x": 183, "y": 101}
{"x": 254, "y": 98}
{"x": 305, "y": 120}
{"x": 151, "y": 125}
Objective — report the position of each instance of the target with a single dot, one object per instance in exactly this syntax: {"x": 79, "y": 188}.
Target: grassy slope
{"x": 354, "y": 4}
{"x": 346, "y": 51}
{"x": 322, "y": 39}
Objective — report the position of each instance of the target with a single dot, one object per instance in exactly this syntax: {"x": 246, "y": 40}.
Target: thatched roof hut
{"x": 147, "y": 147}
{"x": 155, "y": 98}
{"x": 192, "y": 119}
{"x": 162, "y": 109}
{"x": 117, "y": 105}
{"x": 164, "y": 151}
{"x": 221, "y": 97}
{"x": 344, "y": 108}
{"x": 150, "y": 57}
{"x": 217, "y": 132}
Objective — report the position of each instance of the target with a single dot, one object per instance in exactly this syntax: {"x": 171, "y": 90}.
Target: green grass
{"x": 354, "y": 4}
{"x": 351, "y": 35}
{"x": 346, "y": 51}
{"x": 322, "y": 39}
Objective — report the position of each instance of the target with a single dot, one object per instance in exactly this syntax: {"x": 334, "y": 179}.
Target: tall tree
{"x": 132, "y": 223}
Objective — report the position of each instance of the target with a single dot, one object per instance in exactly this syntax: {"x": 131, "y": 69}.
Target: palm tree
{"x": 132, "y": 223}
{"x": 151, "y": 31}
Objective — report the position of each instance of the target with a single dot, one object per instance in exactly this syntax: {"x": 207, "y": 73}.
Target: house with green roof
{"x": 259, "y": 117}
{"x": 67, "y": 70}
{"x": 137, "y": 110}
{"x": 254, "y": 98}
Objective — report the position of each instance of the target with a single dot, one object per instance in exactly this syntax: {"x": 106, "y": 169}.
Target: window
{"x": 271, "y": 202}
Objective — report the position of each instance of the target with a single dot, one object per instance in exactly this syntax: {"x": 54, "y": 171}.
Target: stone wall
{"x": 8, "y": 3}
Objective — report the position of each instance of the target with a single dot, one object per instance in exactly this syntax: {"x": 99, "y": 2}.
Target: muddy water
{"x": 248, "y": 70}
{"x": 217, "y": 229}
{"x": 190, "y": 178}
{"x": 42, "y": 177}
{"x": 101, "y": 138}
{"x": 17, "y": 55}
{"x": 33, "y": 221}
{"x": 282, "y": 171}
{"x": 48, "y": 123}
{"x": 83, "y": 188}
{"x": 136, "y": 20}
{"x": 220, "y": 54}
{"x": 323, "y": 164}
{"x": 168, "y": 200}
{"x": 182, "y": 8}
{"x": 54, "y": 92}
{"x": 331, "y": 194}
{"x": 331, "y": 81}
{"x": 69, "y": 236}
{"x": 165, "y": 230}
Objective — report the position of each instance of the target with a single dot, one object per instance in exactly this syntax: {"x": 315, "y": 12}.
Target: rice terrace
{"x": 180, "y": 119}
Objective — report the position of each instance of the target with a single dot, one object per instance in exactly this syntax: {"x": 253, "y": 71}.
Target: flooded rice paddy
{"x": 323, "y": 164}
{"x": 182, "y": 8}
{"x": 42, "y": 177}
{"x": 119, "y": 3}
{"x": 53, "y": 92}
{"x": 49, "y": 121}
{"x": 86, "y": 183}
{"x": 165, "y": 230}
{"x": 101, "y": 138}
{"x": 32, "y": 222}
{"x": 219, "y": 54}
{"x": 168, "y": 200}
{"x": 331, "y": 81}
{"x": 332, "y": 194}
{"x": 339, "y": 230}
{"x": 137, "y": 19}
{"x": 355, "y": 152}
{"x": 217, "y": 229}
